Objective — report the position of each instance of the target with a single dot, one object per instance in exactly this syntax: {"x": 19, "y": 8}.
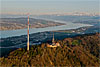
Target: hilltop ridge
{"x": 77, "y": 51}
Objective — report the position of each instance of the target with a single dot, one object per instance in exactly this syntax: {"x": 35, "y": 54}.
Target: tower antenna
{"x": 53, "y": 40}
{"x": 28, "y": 34}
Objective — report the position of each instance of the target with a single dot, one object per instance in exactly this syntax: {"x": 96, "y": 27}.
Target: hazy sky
{"x": 48, "y": 6}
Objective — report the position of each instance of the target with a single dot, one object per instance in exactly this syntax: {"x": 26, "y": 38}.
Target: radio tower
{"x": 53, "y": 40}
{"x": 28, "y": 35}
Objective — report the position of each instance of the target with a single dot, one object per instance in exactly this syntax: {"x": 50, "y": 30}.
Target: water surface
{"x": 67, "y": 26}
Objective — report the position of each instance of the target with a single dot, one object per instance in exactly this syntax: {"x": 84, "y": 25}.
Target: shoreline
{"x": 14, "y": 33}
{"x": 34, "y": 27}
{"x": 66, "y": 31}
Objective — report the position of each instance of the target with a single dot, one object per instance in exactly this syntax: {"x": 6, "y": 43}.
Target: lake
{"x": 67, "y": 26}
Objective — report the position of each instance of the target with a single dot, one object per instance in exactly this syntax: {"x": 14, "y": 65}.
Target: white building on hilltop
{"x": 54, "y": 44}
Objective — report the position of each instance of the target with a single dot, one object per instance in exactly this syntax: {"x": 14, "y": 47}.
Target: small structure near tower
{"x": 53, "y": 40}
{"x": 54, "y": 44}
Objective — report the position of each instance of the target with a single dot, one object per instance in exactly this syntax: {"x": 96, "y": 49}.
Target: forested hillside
{"x": 78, "y": 51}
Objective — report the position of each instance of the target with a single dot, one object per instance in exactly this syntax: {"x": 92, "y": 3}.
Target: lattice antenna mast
{"x": 28, "y": 34}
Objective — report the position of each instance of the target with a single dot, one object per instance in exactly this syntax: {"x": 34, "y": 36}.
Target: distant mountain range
{"x": 71, "y": 18}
